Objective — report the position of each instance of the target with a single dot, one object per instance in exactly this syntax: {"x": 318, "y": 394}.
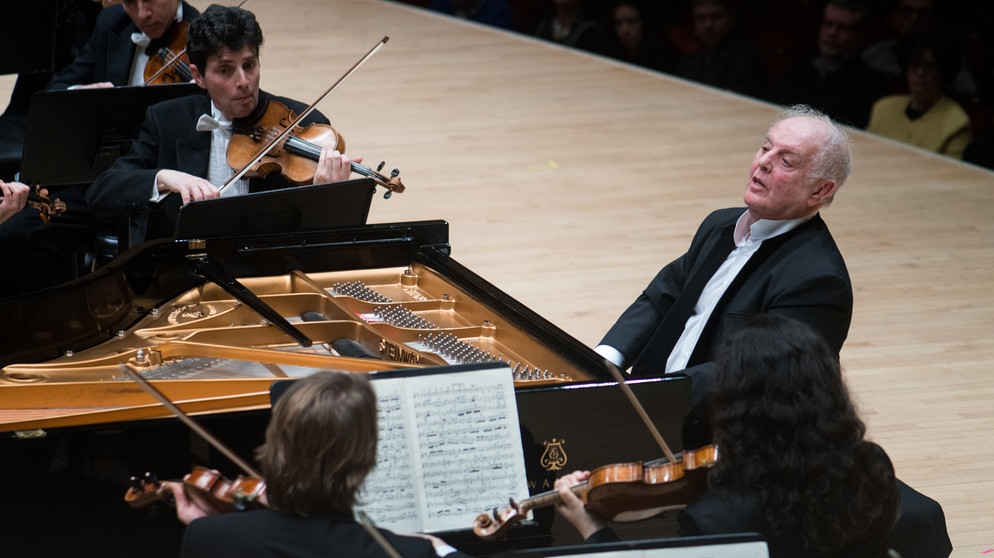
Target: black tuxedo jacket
{"x": 168, "y": 140}
{"x": 108, "y": 55}
{"x": 266, "y": 533}
{"x": 800, "y": 273}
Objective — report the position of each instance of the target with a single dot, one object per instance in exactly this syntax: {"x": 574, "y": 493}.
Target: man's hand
{"x": 189, "y": 505}
{"x": 189, "y": 187}
{"x": 572, "y": 508}
{"x": 15, "y": 197}
{"x": 333, "y": 167}
{"x": 98, "y": 85}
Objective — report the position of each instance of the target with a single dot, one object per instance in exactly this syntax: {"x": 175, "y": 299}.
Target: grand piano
{"x": 213, "y": 321}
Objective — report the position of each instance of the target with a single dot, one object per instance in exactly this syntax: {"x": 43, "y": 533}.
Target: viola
{"x": 170, "y": 64}
{"x": 296, "y": 156}
{"x": 619, "y": 492}
{"x": 221, "y": 494}
{"x": 47, "y": 208}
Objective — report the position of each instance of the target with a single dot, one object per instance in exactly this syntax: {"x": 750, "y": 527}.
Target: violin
{"x": 297, "y": 155}
{"x": 623, "y": 491}
{"x": 170, "y": 64}
{"x": 221, "y": 494}
{"x": 47, "y": 208}
{"x": 618, "y": 492}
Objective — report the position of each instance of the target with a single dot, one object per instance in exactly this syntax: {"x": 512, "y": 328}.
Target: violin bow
{"x": 306, "y": 112}
{"x": 194, "y": 425}
{"x": 370, "y": 528}
{"x": 639, "y": 409}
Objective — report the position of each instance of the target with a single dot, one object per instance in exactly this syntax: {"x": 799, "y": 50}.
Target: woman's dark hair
{"x": 218, "y": 28}
{"x": 786, "y": 427}
{"x": 320, "y": 445}
{"x": 947, "y": 58}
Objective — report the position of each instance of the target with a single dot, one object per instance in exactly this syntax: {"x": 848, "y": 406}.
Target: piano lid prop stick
{"x": 640, "y": 409}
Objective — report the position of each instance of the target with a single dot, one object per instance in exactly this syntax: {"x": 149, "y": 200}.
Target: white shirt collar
{"x": 764, "y": 229}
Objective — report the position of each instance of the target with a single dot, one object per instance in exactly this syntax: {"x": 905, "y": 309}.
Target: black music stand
{"x": 288, "y": 210}
{"x": 75, "y": 135}
{"x": 744, "y": 545}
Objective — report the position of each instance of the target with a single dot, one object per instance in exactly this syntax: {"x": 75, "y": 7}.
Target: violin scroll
{"x": 47, "y": 207}
{"x": 488, "y": 528}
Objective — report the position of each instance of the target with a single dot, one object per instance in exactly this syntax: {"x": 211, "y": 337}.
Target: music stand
{"x": 743, "y": 545}
{"x": 298, "y": 209}
{"x": 74, "y": 135}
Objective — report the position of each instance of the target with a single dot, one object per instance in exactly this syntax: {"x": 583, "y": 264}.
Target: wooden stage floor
{"x": 569, "y": 180}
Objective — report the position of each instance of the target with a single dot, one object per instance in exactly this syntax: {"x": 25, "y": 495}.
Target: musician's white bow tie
{"x": 140, "y": 39}
{"x": 207, "y": 123}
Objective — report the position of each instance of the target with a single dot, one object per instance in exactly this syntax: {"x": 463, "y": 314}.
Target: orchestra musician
{"x": 793, "y": 463}
{"x": 123, "y": 36}
{"x": 776, "y": 256}
{"x": 179, "y": 156}
{"x": 320, "y": 445}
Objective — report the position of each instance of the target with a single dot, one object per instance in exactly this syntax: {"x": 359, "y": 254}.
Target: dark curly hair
{"x": 787, "y": 429}
{"x": 218, "y": 28}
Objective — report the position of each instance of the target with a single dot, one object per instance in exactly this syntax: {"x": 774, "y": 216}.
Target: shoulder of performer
{"x": 298, "y": 107}
{"x": 189, "y": 12}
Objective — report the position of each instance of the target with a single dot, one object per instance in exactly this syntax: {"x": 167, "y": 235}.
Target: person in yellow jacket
{"x": 926, "y": 117}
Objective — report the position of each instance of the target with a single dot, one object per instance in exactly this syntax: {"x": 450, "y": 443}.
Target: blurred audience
{"x": 908, "y": 18}
{"x": 724, "y": 58}
{"x": 635, "y": 39}
{"x": 497, "y": 13}
{"x": 927, "y": 116}
{"x": 836, "y": 80}
{"x": 981, "y": 150}
{"x": 570, "y": 23}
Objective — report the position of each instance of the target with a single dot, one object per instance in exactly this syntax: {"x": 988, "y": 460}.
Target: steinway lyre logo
{"x": 554, "y": 457}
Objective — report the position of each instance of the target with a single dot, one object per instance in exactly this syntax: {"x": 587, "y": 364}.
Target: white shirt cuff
{"x": 611, "y": 354}
{"x": 444, "y": 550}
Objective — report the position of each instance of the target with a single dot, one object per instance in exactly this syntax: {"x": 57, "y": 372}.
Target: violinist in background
{"x": 320, "y": 445}
{"x": 793, "y": 463}
{"x": 181, "y": 152}
{"x": 13, "y": 198}
{"x": 35, "y": 255}
{"x": 179, "y": 156}
{"x": 123, "y": 36}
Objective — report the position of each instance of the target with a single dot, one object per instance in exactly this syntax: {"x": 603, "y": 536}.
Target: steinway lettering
{"x": 399, "y": 353}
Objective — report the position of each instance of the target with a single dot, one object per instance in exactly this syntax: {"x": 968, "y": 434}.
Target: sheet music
{"x": 450, "y": 449}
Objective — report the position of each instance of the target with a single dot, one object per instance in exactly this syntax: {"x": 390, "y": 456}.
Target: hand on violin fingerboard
{"x": 572, "y": 508}
{"x": 189, "y": 187}
{"x": 333, "y": 166}
{"x": 189, "y": 505}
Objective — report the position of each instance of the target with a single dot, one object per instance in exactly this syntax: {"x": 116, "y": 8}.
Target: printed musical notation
{"x": 450, "y": 447}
